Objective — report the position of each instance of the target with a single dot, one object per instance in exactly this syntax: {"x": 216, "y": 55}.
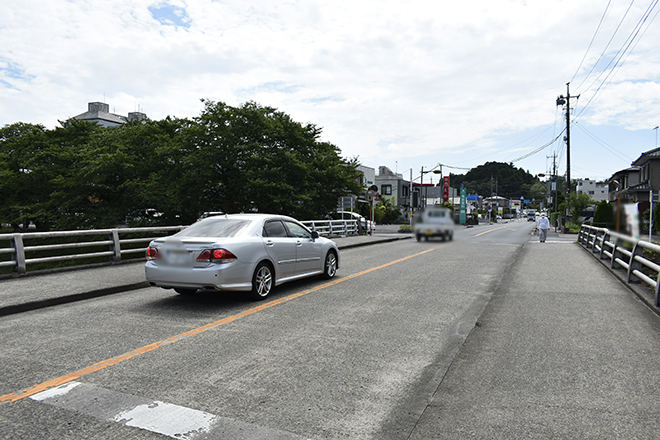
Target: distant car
{"x": 531, "y": 217}
{"x": 366, "y": 224}
{"x": 239, "y": 252}
{"x": 434, "y": 222}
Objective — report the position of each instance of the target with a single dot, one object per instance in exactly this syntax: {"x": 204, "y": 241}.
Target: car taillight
{"x": 152, "y": 253}
{"x": 216, "y": 256}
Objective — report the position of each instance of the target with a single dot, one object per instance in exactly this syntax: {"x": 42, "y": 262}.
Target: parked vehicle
{"x": 241, "y": 252}
{"x": 434, "y": 222}
{"x": 364, "y": 223}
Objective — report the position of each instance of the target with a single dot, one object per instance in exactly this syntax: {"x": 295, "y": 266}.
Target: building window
{"x": 386, "y": 190}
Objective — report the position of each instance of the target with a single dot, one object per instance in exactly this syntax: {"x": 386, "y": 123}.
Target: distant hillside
{"x": 504, "y": 179}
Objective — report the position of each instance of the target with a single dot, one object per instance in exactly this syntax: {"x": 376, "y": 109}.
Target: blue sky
{"x": 402, "y": 84}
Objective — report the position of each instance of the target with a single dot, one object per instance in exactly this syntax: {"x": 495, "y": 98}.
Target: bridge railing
{"x": 331, "y": 228}
{"x": 90, "y": 245}
{"x": 624, "y": 253}
{"x": 76, "y": 248}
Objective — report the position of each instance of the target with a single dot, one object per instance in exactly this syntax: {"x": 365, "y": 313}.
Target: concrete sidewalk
{"x": 563, "y": 350}
{"x": 35, "y": 291}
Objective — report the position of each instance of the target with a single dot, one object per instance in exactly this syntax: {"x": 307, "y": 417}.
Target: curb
{"x": 369, "y": 243}
{"x": 36, "y": 305}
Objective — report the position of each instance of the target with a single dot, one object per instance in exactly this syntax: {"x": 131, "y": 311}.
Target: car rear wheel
{"x": 330, "y": 269}
{"x": 185, "y": 291}
{"x": 262, "y": 281}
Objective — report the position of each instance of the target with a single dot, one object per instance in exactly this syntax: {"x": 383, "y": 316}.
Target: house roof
{"x": 100, "y": 111}
{"x": 651, "y": 154}
{"x": 625, "y": 171}
{"x": 101, "y": 115}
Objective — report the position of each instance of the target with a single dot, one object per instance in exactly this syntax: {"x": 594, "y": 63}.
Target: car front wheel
{"x": 330, "y": 269}
{"x": 262, "y": 281}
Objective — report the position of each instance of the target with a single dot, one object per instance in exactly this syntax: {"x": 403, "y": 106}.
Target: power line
{"x": 604, "y": 144}
{"x": 541, "y": 148}
{"x": 602, "y": 54}
{"x": 624, "y": 50}
{"x": 607, "y": 8}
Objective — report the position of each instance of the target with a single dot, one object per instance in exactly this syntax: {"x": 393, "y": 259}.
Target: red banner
{"x": 445, "y": 189}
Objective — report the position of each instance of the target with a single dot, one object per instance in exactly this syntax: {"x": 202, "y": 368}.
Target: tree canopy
{"x": 231, "y": 159}
{"x": 504, "y": 178}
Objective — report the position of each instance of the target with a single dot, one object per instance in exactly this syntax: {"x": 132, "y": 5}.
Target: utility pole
{"x": 553, "y": 188}
{"x": 561, "y": 101}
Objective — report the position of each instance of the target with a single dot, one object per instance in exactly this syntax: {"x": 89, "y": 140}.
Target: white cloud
{"x": 387, "y": 81}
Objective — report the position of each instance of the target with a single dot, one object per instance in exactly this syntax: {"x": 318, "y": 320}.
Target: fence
{"x": 624, "y": 253}
{"x": 46, "y": 249}
{"x": 331, "y": 228}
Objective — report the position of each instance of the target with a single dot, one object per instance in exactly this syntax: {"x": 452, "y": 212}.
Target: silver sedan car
{"x": 241, "y": 252}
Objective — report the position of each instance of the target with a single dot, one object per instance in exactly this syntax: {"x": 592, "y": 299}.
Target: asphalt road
{"x": 360, "y": 357}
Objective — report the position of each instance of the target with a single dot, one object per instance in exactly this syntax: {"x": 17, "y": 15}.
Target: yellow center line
{"x": 151, "y": 347}
{"x": 491, "y": 230}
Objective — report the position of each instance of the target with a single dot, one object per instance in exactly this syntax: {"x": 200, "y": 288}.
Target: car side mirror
{"x": 315, "y": 235}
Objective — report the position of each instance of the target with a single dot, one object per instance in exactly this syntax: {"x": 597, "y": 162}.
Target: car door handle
{"x": 299, "y": 243}
{"x": 270, "y": 243}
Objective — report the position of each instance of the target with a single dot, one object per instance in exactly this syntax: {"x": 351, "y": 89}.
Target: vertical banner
{"x": 632, "y": 219}
{"x": 463, "y": 203}
{"x": 445, "y": 189}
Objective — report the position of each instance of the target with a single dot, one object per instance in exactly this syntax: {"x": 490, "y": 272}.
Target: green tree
{"x": 232, "y": 159}
{"x": 385, "y": 211}
{"x": 504, "y": 178}
{"x": 577, "y": 203}
{"x": 604, "y": 215}
{"x": 258, "y": 159}
{"x": 22, "y": 183}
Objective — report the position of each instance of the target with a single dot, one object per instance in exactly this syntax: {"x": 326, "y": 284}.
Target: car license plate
{"x": 178, "y": 258}
{"x": 429, "y": 232}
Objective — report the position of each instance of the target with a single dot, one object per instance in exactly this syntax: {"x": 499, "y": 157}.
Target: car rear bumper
{"x": 214, "y": 276}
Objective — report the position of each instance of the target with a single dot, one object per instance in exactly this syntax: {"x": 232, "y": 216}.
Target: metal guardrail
{"x": 110, "y": 244}
{"x": 623, "y": 252}
{"x": 331, "y": 228}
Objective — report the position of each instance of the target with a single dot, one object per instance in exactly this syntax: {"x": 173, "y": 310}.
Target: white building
{"x": 597, "y": 191}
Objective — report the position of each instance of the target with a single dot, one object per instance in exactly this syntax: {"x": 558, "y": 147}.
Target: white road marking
{"x": 171, "y": 420}
{"x": 164, "y": 418}
{"x": 55, "y": 392}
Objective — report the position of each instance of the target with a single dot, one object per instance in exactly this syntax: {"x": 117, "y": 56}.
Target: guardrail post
{"x": 635, "y": 265}
{"x": 613, "y": 263}
{"x": 581, "y": 233}
{"x": 19, "y": 254}
{"x": 590, "y": 244}
{"x": 594, "y": 247}
{"x": 116, "y": 245}
{"x": 602, "y": 244}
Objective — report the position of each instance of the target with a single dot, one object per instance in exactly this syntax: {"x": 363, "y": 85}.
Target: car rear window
{"x": 437, "y": 213}
{"x": 221, "y": 227}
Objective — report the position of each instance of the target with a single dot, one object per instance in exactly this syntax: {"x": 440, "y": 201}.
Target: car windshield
{"x": 220, "y": 227}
